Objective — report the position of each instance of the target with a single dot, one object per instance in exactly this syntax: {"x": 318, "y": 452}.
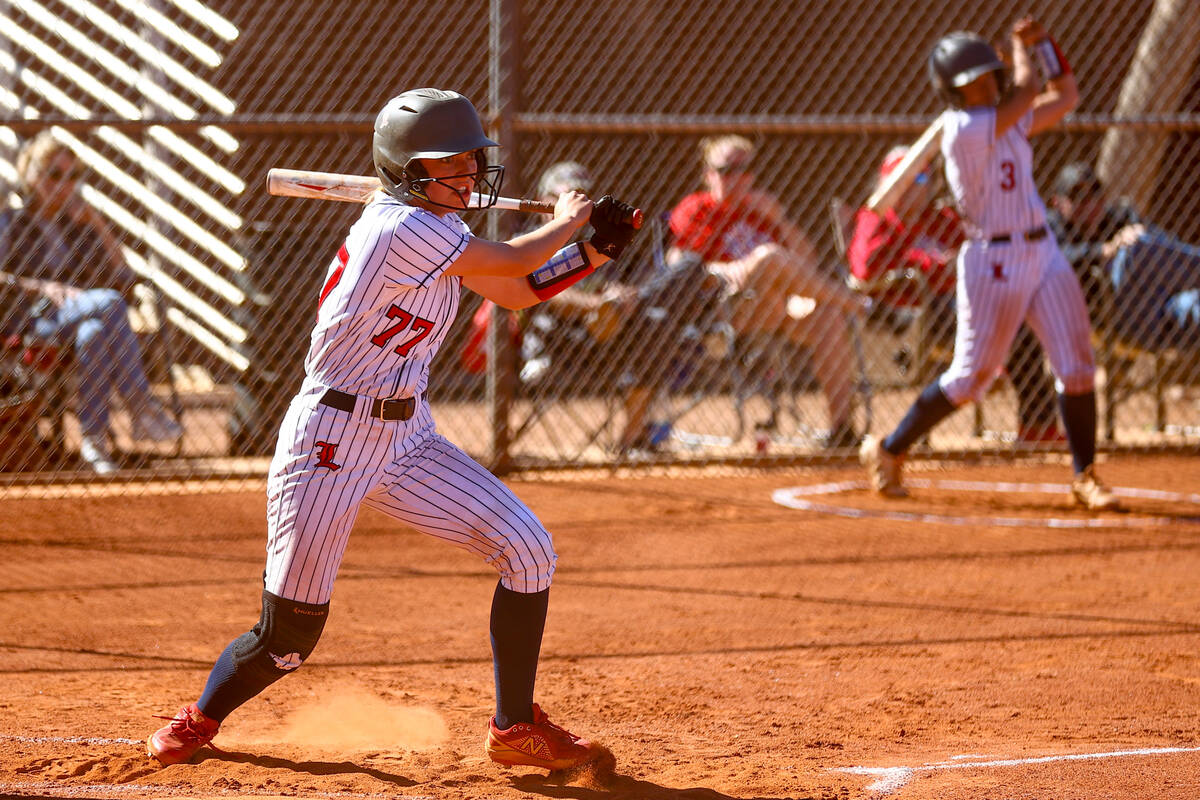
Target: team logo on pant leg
{"x": 325, "y": 453}
{"x": 286, "y": 663}
{"x": 998, "y": 272}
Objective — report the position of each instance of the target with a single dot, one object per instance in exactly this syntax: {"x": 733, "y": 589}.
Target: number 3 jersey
{"x": 387, "y": 303}
{"x": 991, "y": 178}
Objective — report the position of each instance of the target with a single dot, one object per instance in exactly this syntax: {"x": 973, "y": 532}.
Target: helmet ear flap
{"x": 413, "y": 178}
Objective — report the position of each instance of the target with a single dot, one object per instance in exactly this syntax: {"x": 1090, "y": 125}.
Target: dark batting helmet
{"x": 430, "y": 123}
{"x": 959, "y": 58}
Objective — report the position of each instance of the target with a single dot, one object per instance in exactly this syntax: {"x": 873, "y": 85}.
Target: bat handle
{"x": 633, "y": 218}
{"x": 536, "y": 206}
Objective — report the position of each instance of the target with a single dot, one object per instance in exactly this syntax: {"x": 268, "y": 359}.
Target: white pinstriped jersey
{"x": 385, "y": 309}
{"x": 1001, "y": 284}
{"x": 991, "y": 179}
{"x": 387, "y": 305}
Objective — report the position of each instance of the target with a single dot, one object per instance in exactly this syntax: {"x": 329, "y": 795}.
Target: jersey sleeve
{"x": 968, "y": 135}
{"x": 422, "y": 246}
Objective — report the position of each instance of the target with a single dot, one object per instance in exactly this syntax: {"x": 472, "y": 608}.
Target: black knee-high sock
{"x": 516, "y": 627}
{"x": 1079, "y": 418}
{"x": 931, "y": 407}
{"x": 224, "y": 691}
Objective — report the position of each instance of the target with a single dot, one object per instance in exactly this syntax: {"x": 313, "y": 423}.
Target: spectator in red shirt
{"x": 884, "y": 244}
{"x": 767, "y": 263}
{"x": 919, "y": 236}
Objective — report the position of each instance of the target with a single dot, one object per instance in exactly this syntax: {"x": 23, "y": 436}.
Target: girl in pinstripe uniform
{"x": 359, "y": 432}
{"x": 1010, "y": 270}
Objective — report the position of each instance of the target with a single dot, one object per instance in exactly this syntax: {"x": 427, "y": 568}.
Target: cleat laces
{"x": 186, "y": 731}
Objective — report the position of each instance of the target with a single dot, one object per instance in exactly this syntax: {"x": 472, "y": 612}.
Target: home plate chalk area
{"x": 820, "y": 498}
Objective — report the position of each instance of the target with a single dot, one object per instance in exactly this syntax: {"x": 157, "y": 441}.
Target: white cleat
{"x": 94, "y": 450}
{"x": 1090, "y": 492}
{"x": 883, "y": 468}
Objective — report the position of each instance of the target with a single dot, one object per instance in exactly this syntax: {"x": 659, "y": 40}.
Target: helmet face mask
{"x": 958, "y": 59}
{"x": 488, "y": 179}
{"x": 426, "y": 124}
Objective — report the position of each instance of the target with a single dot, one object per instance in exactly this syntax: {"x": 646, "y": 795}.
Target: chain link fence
{"x": 157, "y": 301}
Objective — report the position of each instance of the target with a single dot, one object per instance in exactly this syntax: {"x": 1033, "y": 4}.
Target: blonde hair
{"x": 714, "y": 147}
{"x": 38, "y": 152}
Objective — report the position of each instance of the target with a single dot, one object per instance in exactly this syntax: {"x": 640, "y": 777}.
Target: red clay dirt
{"x": 720, "y": 644}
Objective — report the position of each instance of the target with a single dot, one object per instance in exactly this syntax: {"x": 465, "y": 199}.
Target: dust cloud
{"x": 353, "y": 718}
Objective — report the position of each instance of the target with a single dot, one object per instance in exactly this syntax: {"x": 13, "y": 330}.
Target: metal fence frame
{"x": 510, "y": 123}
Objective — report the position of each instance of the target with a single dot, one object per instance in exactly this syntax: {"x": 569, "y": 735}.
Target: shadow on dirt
{"x": 622, "y": 787}
{"x": 310, "y": 767}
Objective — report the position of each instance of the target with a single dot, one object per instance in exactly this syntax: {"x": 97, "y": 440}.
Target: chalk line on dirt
{"x": 892, "y": 778}
{"x": 797, "y": 497}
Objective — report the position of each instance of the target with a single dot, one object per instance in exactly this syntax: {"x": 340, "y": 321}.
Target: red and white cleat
{"x": 540, "y": 743}
{"x": 179, "y": 740}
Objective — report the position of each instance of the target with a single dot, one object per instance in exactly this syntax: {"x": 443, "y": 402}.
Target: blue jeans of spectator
{"x": 108, "y": 357}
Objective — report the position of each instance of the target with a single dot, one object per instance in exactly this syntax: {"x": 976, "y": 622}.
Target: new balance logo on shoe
{"x": 288, "y": 662}
{"x": 535, "y": 746}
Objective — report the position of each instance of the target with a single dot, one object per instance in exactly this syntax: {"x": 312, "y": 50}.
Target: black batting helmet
{"x": 959, "y": 58}
{"x": 429, "y": 123}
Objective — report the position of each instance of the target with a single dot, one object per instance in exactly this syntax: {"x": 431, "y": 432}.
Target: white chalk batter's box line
{"x": 891, "y": 779}
{"x": 795, "y": 497}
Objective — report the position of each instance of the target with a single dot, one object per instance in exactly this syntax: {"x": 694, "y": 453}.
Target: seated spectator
{"x": 920, "y": 235}
{"x": 917, "y": 237}
{"x": 1152, "y": 277}
{"x": 590, "y": 311}
{"x": 649, "y": 323}
{"x": 1090, "y": 228}
{"x": 769, "y": 267}
{"x": 61, "y": 245}
{"x": 578, "y": 316}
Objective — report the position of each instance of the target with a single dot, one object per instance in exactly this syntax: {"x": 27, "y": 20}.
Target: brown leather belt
{"x": 398, "y": 409}
{"x": 1031, "y": 235}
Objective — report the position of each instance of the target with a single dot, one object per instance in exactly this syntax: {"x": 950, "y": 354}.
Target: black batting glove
{"x": 612, "y": 226}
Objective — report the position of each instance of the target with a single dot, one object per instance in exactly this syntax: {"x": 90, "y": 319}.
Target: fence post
{"x": 503, "y": 103}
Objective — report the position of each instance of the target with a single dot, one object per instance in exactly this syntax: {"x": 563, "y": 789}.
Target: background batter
{"x": 1010, "y": 269}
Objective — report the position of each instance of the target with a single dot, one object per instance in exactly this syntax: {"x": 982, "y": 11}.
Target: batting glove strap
{"x": 1050, "y": 59}
{"x": 612, "y": 225}
{"x": 565, "y": 268}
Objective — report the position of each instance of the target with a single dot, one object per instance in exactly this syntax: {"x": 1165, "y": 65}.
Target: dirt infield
{"x": 722, "y": 644}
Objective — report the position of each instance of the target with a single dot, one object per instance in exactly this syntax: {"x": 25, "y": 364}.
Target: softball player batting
{"x": 1010, "y": 270}
{"x": 359, "y": 432}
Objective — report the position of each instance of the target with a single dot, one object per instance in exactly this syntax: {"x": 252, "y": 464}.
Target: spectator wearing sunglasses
{"x": 921, "y": 235}
{"x": 770, "y": 269}
{"x": 57, "y": 242}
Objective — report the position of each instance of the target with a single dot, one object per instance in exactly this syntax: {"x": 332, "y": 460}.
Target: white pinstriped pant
{"x": 999, "y": 286}
{"x": 404, "y": 469}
